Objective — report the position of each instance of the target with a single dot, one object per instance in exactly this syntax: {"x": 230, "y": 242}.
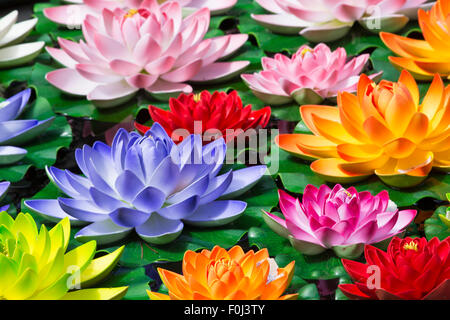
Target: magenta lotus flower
{"x": 330, "y": 20}
{"x": 74, "y": 13}
{"x": 339, "y": 219}
{"x": 309, "y": 77}
{"x": 152, "y": 48}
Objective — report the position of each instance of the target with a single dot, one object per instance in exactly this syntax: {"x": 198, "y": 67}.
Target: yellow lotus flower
{"x": 446, "y": 218}
{"x": 227, "y": 275}
{"x": 424, "y": 58}
{"x": 35, "y": 265}
{"x": 383, "y": 130}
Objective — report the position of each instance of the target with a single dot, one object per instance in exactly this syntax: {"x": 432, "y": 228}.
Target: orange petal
{"x": 441, "y": 120}
{"x": 363, "y": 83}
{"x": 329, "y": 170}
{"x": 351, "y": 116}
{"x": 364, "y": 167}
{"x": 306, "y": 146}
{"x": 332, "y": 130}
{"x": 289, "y": 143}
{"x": 437, "y": 144}
{"x": 417, "y": 128}
{"x": 406, "y": 47}
{"x": 358, "y": 152}
{"x": 434, "y": 98}
{"x": 236, "y": 253}
{"x": 400, "y": 110}
{"x": 399, "y": 148}
{"x": 408, "y": 80}
{"x": 325, "y": 112}
{"x": 410, "y": 65}
{"x": 432, "y": 33}
{"x": 418, "y": 164}
{"x": 377, "y": 131}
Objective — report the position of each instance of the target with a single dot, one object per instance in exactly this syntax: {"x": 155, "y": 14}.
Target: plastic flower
{"x": 424, "y": 58}
{"x": 14, "y": 132}
{"x": 34, "y": 264}
{"x": 13, "y": 52}
{"x": 411, "y": 269}
{"x": 330, "y": 20}
{"x": 209, "y": 115}
{"x": 227, "y": 275}
{"x": 76, "y": 11}
{"x": 446, "y": 219}
{"x": 309, "y": 77}
{"x": 150, "y": 185}
{"x": 383, "y": 130}
{"x": 4, "y": 186}
{"x": 152, "y": 48}
{"x": 339, "y": 219}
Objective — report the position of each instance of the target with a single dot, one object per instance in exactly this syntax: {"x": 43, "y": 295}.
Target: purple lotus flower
{"x": 14, "y": 132}
{"x": 4, "y": 186}
{"x": 150, "y": 185}
{"x": 338, "y": 219}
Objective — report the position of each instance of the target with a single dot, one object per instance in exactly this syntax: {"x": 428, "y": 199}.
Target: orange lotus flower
{"x": 383, "y": 130}
{"x": 227, "y": 275}
{"x": 424, "y": 58}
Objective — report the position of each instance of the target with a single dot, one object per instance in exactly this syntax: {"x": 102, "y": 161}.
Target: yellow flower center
{"x": 305, "y": 51}
{"x": 411, "y": 246}
{"x": 131, "y": 13}
{"x": 197, "y": 97}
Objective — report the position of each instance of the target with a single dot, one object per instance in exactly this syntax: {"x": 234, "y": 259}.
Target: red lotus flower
{"x": 209, "y": 115}
{"x": 412, "y": 269}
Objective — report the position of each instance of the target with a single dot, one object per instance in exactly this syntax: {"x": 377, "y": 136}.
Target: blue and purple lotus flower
{"x": 16, "y": 132}
{"x": 150, "y": 185}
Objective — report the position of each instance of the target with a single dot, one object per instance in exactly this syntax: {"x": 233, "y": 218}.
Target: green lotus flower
{"x": 446, "y": 219}
{"x": 34, "y": 264}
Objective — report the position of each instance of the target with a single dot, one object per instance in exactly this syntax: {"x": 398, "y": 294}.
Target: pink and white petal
{"x": 220, "y": 71}
{"x": 97, "y": 74}
{"x": 146, "y": 50}
{"x": 110, "y": 48}
{"x": 141, "y": 81}
{"x": 184, "y": 73}
{"x": 387, "y": 23}
{"x": 93, "y": 55}
{"x": 216, "y": 50}
{"x": 202, "y": 17}
{"x": 216, "y": 7}
{"x": 130, "y": 33}
{"x": 62, "y": 57}
{"x": 412, "y": 11}
{"x": 349, "y": 13}
{"x": 99, "y": 5}
{"x": 124, "y": 68}
{"x": 270, "y": 5}
{"x": 112, "y": 94}
{"x": 306, "y": 14}
{"x": 161, "y": 65}
{"x": 71, "y": 82}
{"x": 74, "y": 50}
{"x": 236, "y": 42}
{"x": 69, "y": 15}
{"x": 326, "y": 32}
{"x": 163, "y": 90}
{"x": 281, "y": 23}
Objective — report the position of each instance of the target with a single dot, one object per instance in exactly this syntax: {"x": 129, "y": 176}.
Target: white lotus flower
{"x": 13, "y": 52}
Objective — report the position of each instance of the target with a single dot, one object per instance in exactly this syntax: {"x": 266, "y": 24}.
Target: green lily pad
{"x": 435, "y": 227}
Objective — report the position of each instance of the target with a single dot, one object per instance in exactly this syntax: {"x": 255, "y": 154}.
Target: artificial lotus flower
{"x": 446, "y": 218}
{"x": 35, "y": 266}
{"x": 411, "y": 269}
{"x": 4, "y": 186}
{"x": 15, "y": 132}
{"x": 76, "y": 11}
{"x": 227, "y": 275}
{"x": 424, "y": 58}
{"x": 330, "y": 20}
{"x": 309, "y": 77}
{"x": 383, "y": 130}
{"x": 207, "y": 114}
{"x": 152, "y": 48}
{"x": 339, "y": 219}
{"x": 13, "y": 52}
{"x": 150, "y": 185}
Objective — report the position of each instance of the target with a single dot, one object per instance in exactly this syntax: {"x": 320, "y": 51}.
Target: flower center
{"x": 197, "y": 97}
{"x": 411, "y": 246}
{"x": 131, "y": 13}
{"x": 305, "y": 51}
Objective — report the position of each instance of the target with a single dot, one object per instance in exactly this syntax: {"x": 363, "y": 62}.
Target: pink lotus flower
{"x": 152, "y": 48}
{"x": 309, "y": 77}
{"x": 76, "y": 11}
{"x": 330, "y": 20}
{"x": 338, "y": 219}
